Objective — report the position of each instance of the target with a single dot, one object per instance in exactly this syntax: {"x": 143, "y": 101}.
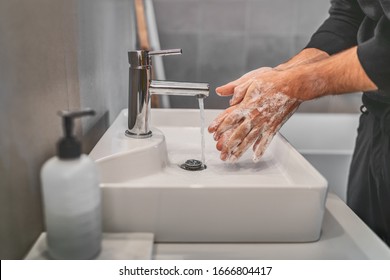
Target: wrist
{"x": 306, "y": 56}
{"x": 305, "y": 83}
{"x": 338, "y": 74}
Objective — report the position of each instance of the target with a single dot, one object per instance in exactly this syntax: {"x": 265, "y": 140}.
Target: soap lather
{"x": 72, "y": 199}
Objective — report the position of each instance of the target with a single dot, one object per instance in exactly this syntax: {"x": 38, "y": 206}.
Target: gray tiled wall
{"x": 223, "y": 39}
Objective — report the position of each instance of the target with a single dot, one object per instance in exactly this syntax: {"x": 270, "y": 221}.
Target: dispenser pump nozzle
{"x": 68, "y": 146}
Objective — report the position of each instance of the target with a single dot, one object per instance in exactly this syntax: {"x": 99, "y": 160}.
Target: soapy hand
{"x": 262, "y": 102}
{"x": 239, "y": 87}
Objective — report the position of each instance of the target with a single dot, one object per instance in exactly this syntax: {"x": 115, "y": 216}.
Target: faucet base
{"x": 130, "y": 134}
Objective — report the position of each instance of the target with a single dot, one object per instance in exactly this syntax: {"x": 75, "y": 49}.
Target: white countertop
{"x": 344, "y": 236}
{"x": 115, "y": 246}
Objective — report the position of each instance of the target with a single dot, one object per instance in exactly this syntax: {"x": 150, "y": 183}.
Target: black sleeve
{"x": 374, "y": 55}
{"x": 339, "y": 31}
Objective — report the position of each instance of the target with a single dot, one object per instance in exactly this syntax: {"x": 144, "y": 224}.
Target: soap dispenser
{"x": 71, "y": 196}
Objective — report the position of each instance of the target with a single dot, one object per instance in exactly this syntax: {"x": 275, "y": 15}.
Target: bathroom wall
{"x": 54, "y": 55}
{"x": 223, "y": 39}
{"x": 106, "y": 32}
{"x": 64, "y": 54}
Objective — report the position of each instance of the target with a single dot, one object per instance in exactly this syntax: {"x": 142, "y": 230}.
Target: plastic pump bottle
{"x": 71, "y": 196}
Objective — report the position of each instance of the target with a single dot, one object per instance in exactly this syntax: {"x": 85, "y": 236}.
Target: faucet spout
{"x": 200, "y": 90}
{"x": 141, "y": 87}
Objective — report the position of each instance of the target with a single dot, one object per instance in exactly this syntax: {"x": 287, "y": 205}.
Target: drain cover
{"x": 193, "y": 165}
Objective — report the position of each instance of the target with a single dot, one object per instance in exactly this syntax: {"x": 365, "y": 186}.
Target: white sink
{"x": 279, "y": 199}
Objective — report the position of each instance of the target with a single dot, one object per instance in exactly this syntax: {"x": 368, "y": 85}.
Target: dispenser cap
{"x": 68, "y": 146}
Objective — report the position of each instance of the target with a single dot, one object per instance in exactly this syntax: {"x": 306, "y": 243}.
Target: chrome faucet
{"x": 141, "y": 87}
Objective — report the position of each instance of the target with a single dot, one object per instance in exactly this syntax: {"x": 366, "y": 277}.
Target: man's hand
{"x": 265, "y": 98}
{"x": 260, "y": 106}
{"x": 239, "y": 87}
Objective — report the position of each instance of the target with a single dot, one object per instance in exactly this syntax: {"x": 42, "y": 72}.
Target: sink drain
{"x": 193, "y": 165}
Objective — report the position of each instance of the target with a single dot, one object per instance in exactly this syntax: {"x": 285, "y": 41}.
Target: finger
{"x": 277, "y": 122}
{"x": 217, "y": 121}
{"x": 262, "y": 133}
{"x": 224, "y": 137}
{"x": 245, "y": 144}
{"x": 236, "y": 137}
{"x": 239, "y": 92}
{"x": 228, "y": 89}
{"x": 262, "y": 145}
{"x": 232, "y": 119}
{"x": 244, "y": 136}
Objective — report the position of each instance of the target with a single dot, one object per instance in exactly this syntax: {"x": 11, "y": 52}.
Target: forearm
{"x": 338, "y": 74}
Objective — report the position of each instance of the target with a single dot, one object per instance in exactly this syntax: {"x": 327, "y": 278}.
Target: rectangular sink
{"x": 279, "y": 199}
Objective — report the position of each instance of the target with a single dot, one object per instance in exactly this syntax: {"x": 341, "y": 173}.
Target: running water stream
{"x": 194, "y": 164}
{"x": 202, "y": 124}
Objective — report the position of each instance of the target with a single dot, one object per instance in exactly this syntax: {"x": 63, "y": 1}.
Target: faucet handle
{"x": 142, "y": 58}
{"x": 166, "y": 52}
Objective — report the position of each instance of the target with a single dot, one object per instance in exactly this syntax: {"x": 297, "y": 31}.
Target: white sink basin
{"x": 279, "y": 199}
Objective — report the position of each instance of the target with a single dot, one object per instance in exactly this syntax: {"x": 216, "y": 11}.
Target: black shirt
{"x": 365, "y": 23}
